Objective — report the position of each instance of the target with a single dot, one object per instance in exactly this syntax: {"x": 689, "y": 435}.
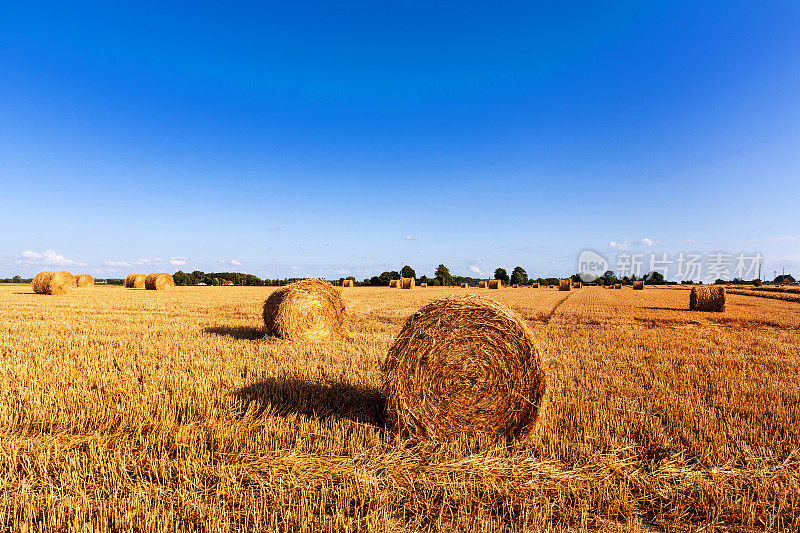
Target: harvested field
{"x": 138, "y": 409}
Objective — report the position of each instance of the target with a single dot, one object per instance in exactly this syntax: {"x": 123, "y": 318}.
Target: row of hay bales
{"x": 155, "y": 281}
{"x": 460, "y": 365}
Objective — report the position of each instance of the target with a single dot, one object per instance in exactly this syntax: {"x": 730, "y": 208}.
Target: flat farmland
{"x": 144, "y": 410}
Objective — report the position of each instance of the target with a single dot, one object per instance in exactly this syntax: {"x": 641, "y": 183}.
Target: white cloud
{"x": 624, "y": 245}
{"x": 48, "y": 257}
{"x": 273, "y": 228}
{"x": 499, "y": 247}
{"x": 688, "y": 241}
{"x": 474, "y": 269}
{"x": 410, "y": 238}
{"x": 619, "y": 245}
{"x": 177, "y": 261}
{"x": 116, "y": 264}
{"x": 234, "y": 262}
{"x": 647, "y": 241}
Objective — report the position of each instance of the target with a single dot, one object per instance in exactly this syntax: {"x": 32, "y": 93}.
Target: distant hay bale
{"x": 481, "y": 284}
{"x": 515, "y": 286}
{"x": 407, "y": 283}
{"x": 535, "y": 285}
{"x": 307, "y": 310}
{"x": 394, "y": 284}
{"x": 158, "y": 281}
{"x": 84, "y": 280}
{"x": 564, "y": 284}
{"x": 135, "y": 281}
{"x": 638, "y": 285}
{"x": 347, "y": 283}
{"x": 577, "y": 285}
{"x": 464, "y": 285}
{"x": 706, "y": 298}
{"x": 495, "y": 284}
{"x": 423, "y": 284}
{"x": 464, "y": 365}
{"x": 618, "y": 285}
{"x": 54, "y": 282}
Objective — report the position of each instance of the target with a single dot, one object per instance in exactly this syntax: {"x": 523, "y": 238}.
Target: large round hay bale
{"x": 306, "y": 310}
{"x": 495, "y": 284}
{"x": 84, "y": 280}
{"x": 54, "y": 282}
{"x": 407, "y": 283}
{"x": 464, "y": 365}
{"x": 638, "y": 285}
{"x": 564, "y": 284}
{"x": 705, "y": 298}
{"x": 135, "y": 281}
{"x": 347, "y": 283}
{"x": 158, "y": 281}
{"x": 394, "y": 284}
{"x": 481, "y": 284}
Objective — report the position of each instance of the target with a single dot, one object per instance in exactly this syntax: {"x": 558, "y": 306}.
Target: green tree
{"x": 181, "y": 278}
{"x": 16, "y": 279}
{"x": 442, "y": 274}
{"x": 408, "y": 272}
{"x": 215, "y": 282}
{"x": 519, "y": 276}
{"x": 501, "y": 274}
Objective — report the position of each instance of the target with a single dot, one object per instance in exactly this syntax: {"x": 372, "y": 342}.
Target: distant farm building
{"x": 785, "y": 278}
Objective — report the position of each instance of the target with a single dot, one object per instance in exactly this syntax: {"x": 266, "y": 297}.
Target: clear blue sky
{"x": 347, "y": 138}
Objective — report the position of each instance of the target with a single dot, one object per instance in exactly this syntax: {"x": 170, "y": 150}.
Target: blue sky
{"x": 333, "y": 139}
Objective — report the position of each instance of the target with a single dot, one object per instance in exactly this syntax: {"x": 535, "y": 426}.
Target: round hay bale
{"x": 638, "y": 285}
{"x": 135, "y": 281}
{"x": 84, "y": 280}
{"x": 407, "y": 283}
{"x": 535, "y": 285}
{"x": 577, "y": 285}
{"x": 464, "y": 365}
{"x": 394, "y": 284}
{"x": 347, "y": 283}
{"x": 705, "y": 298}
{"x": 464, "y": 285}
{"x": 54, "y": 282}
{"x": 423, "y": 284}
{"x": 481, "y": 284}
{"x": 564, "y": 284}
{"x": 158, "y": 281}
{"x": 306, "y": 310}
{"x": 618, "y": 285}
{"x": 495, "y": 284}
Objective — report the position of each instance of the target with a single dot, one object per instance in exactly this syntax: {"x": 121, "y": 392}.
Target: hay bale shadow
{"x": 238, "y": 332}
{"x": 323, "y": 400}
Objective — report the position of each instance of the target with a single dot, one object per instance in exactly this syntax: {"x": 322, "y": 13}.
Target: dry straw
{"x": 158, "y": 281}
{"x": 618, "y": 286}
{"x": 84, "y": 280}
{"x": 577, "y": 285}
{"x": 307, "y": 310}
{"x": 407, "y": 283}
{"x": 54, "y": 282}
{"x": 495, "y": 284}
{"x": 423, "y": 284}
{"x": 347, "y": 283}
{"x": 535, "y": 285}
{"x": 564, "y": 284}
{"x": 638, "y": 285}
{"x": 481, "y": 284}
{"x": 464, "y": 365}
{"x": 135, "y": 281}
{"x": 704, "y": 298}
{"x": 464, "y": 285}
{"x": 394, "y": 284}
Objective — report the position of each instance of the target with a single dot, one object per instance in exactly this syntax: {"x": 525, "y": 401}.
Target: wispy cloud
{"x": 411, "y": 238}
{"x": 619, "y": 245}
{"x": 474, "y": 269}
{"x": 48, "y": 257}
{"x": 273, "y": 228}
{"x": 647, "y": 241}
{"x": 177, "y": 261}
{"x": 117, "y": 264}
{"x": 234, "y": 262}
{"x": 499, "y": 247}
{"x": 624, "y": 245}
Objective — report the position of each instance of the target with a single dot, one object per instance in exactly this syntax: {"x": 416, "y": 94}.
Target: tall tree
{"x": 519, "y": 276}
{"x": 408, "y": 272}
{"x": 443, "y": 275}
{"x": 501, "y": 274}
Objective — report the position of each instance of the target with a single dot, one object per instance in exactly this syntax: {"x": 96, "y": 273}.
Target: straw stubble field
{"x": 140, "y": 409}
